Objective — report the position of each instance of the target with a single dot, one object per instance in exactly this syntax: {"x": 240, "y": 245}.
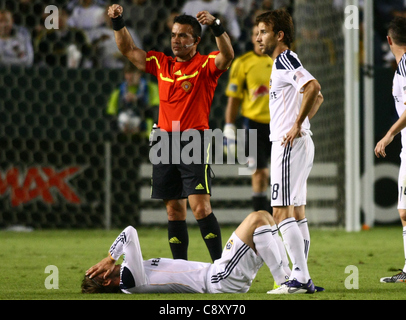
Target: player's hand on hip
{"x": 291, "y": 135}
{"x": 204, "y": 17}
{"x": 114, "y": 11}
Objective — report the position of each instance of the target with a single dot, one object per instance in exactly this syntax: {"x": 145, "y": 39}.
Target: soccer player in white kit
{"x": 252, "y": 244}
{"x": 294, "y": 98}
{"x": 397, "y": 42}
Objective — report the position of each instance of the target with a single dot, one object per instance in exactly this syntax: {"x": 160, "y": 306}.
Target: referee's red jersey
{"x": 186, "y": 89}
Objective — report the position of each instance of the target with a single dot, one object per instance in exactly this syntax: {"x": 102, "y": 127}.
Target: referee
{"x": 186, "y": 88}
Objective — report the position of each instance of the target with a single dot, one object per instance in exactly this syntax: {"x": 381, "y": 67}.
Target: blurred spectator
{"x": 223, "y": 9}
{"x": 141, "y": 15}
{"x": 244, "y": 7}
{"x": 26, "y": 13}
{"x": 165, "y": 28}
{"x": 107, "y": 54}
{"x": 135, "y": 98}
{"x": 15, "y": 42}
{"x": 67, "y": 47}
{"x": 87, "y": 14}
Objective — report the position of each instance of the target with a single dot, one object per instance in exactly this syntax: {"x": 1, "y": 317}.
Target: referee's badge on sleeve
{"x": 233, "y": 87}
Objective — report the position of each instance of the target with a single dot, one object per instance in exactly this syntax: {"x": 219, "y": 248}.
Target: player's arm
{"x": 232, "y": 108}
{"x": 124, "y": 40}
{"x": 316, "y": 106}
{"x": 230, "y": 131}
{"x": 106, "y": 266}
{"x": 310, "y": 95}
{"x": 115, "y": 252}
{"x": 398, "y": 126}
{"x": 225, "y": 57}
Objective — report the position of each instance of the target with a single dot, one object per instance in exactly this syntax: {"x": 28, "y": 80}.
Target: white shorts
{"x": 290, "y": 168}
{"x": 402, "y": 183}
{"x": 235, "y": 270}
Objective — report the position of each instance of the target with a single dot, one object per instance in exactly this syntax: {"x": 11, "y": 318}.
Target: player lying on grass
{"x": 250, "y": 245}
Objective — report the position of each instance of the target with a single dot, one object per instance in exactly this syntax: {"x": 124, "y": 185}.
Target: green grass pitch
{"x": 24, "y": 256}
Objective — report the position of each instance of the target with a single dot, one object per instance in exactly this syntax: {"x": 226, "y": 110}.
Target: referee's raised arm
{"x": 124, "y": 40}
{"x": 225, "y": 57}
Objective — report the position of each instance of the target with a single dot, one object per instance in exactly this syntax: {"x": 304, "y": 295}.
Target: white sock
{"x": 293, "y": 240}
{"x": 304, "y": 229}
{"x": 282, "y": 249}
{"x": 404, "y": 246}
{"x": 268, "y": 250}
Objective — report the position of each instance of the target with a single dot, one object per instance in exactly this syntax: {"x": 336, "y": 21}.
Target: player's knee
{"x": 201, "y": 209}
{"x": 261, "y": 175}
{"x": 130, "y": 232}
{"x": 174, "y": 215}
{"x": 259, "y": 218}
{"x": 200, "y": 213}
{"x": 402, "y": 214}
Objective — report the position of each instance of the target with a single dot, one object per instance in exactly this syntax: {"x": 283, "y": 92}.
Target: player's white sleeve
{"x": 132, "y": 269}
{"x": 402, "y": 72}
{"x": 294, "y": 72}
{"x": 300, "y": 78}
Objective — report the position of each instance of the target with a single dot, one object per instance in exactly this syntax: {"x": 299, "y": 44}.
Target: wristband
{"x": 217, "y": 28}
{"x": 118, "y": 23}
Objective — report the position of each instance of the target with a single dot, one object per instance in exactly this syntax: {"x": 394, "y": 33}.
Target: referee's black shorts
{"x": 175, "y": 179}
{"x": 263, "y": 143}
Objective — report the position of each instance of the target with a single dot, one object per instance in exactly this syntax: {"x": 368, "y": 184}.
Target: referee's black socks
{"x": 210, "y": 230}
{"x": 178, "y": 238}
{"x": 260, "y": 202}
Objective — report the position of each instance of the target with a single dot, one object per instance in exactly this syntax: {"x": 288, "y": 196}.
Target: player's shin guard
{"x": 178, "y": 238}
{"x": 282, "y": 249}
{"x": 293, "y": 240}
{"x": 268, "y": 250}
{"x": 260, "y": 201}
{"x": 304, "y": 229}
{"x": 210, "y": 230}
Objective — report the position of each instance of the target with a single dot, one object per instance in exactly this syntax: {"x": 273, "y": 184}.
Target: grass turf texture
{"x": 24, "y": 256}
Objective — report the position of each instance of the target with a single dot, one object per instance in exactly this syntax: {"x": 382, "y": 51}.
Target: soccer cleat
{"x": 400, "y": 277}
{"x": 276, "y": 286}
{"x": 319, "y": 289}
{"x": 293, "y": 287}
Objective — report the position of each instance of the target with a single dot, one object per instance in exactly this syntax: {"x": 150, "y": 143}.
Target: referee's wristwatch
{"x": 217, "y": 28}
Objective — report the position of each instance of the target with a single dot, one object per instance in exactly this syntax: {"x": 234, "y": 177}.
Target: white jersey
{"x": 232, "y": 273}
{"x": 399, "y": 95}
{"x": 399, "y": 92}
{"x": 285, "y": 94}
